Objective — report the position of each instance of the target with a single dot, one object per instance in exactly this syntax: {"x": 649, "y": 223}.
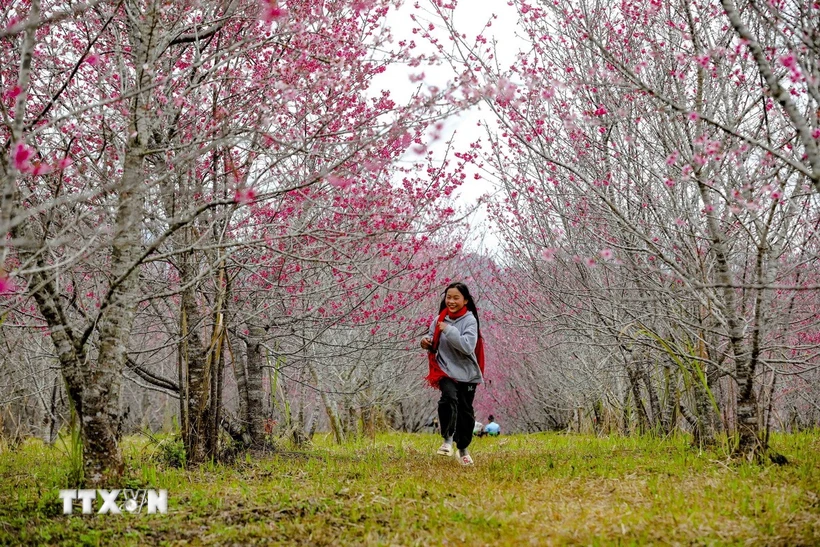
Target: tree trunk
{"x": 216, "y": 356}
{"x": 203, "y": 362}
{"x": 198, "y": 377}
{"x": 255, "y": 395}
{"x": 669, "y": 409}
{"x": 654, "y": 402}
{"x": 640, "y": 409}
{"x": 702, "y": 431}
{"x": 100, "y": 418}
{"x": 748, "y": 431}
{"x": 53, "y": 418}
{"x": 333, "y": 418}
{"x": 182, "y": 377}
{"x": 749, "y": 443}
{"x": 240, "y": 370}
{"x": 369, "y": 421}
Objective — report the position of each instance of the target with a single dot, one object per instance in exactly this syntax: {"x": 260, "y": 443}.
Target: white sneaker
{"x": 446, "y": 449}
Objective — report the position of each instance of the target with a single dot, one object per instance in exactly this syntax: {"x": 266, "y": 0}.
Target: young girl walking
{"x": 456, "y": 362}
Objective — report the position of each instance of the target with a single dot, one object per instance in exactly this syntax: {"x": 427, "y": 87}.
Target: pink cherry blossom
{"x": 6, "y": 284}
{"x": 12, "y": 93}
{"x": 13, "y": 21}
{"x": 339, "y": 182}
{"x": 39, "y": 168}
{"x": 22, "y": 154}
{"x": 270, "y": 11}
{"x": 788, "y": 61}
{"x": 361, "y": 5}
{"x": 504, "y": 91}
{"x": 548, "y": 254}
{"x": 245, "y": 196}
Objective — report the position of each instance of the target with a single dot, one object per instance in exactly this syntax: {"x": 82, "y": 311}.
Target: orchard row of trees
{"x": 203, "y": 199}
{"x": 210, "y": 218}
{"x": 658, "y": 175}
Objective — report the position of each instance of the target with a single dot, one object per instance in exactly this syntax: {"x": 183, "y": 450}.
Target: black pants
{"x": 455, "y": 411}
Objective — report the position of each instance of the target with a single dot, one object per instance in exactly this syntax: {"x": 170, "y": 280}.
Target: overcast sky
{"x": 470, "y": 18}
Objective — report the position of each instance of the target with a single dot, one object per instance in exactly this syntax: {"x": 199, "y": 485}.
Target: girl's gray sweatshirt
{"x": 456, "y": 348}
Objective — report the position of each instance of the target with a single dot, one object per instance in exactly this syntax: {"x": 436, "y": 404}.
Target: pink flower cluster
{"x": 22, "y": 157}
{"x": 270, "y": 11}
{"x": 245, "y": 196}
{"x": 6, "y": 284}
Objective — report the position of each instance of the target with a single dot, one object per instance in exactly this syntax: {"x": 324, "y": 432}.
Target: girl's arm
{"x": 427, "y": 342}
{"x": 465, "y": 341}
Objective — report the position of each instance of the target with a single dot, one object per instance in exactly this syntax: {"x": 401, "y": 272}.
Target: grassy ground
{"x": 545, "y": 489}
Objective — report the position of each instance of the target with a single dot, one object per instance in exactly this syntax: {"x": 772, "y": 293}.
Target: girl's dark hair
{"x": 465, "y": 292}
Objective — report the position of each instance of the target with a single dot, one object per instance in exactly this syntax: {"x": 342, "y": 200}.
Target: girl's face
{"x": 454, "y": 300}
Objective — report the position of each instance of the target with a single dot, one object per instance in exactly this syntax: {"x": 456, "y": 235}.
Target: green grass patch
{"x": 538, "y": 489}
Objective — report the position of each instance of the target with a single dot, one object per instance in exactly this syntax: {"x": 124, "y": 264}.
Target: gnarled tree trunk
{"x": 100, "y": 417}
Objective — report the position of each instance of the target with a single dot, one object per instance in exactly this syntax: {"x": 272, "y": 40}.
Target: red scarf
{"x": 436, "y": 373}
